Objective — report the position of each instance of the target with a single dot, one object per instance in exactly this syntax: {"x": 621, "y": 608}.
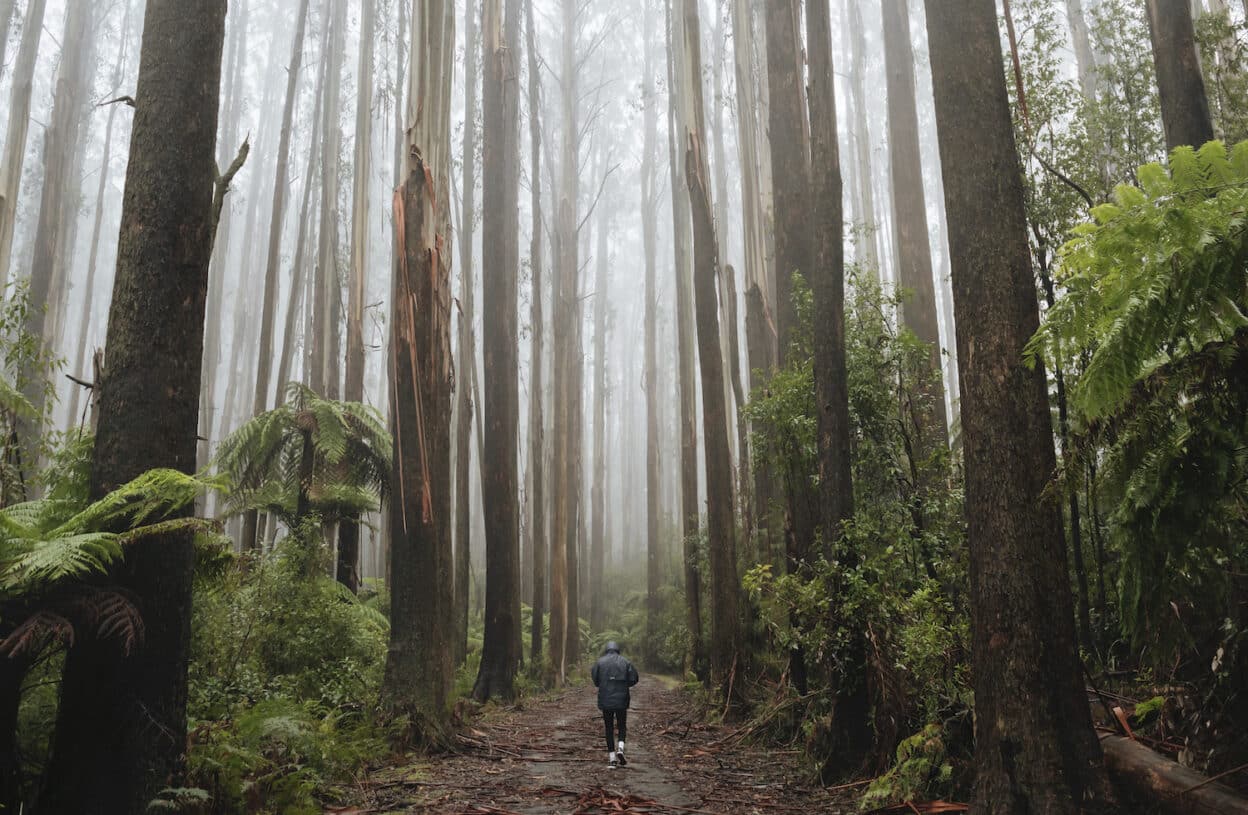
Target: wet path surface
{"x": 549, "y": 757}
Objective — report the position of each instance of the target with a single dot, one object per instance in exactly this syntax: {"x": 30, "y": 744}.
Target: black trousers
{"x": 615, "y": 720}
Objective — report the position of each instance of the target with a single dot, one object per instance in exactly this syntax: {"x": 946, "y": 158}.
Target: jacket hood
{"x": 611, "y": 647}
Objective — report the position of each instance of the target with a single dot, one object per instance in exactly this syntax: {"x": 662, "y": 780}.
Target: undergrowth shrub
{"x": 286, "y": 668}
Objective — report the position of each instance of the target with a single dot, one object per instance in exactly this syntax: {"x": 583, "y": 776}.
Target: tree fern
{"x": 351, "y": 458}
{"x": 1152, "y": 331}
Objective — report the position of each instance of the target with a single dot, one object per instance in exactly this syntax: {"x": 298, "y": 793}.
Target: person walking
{"x": 613, "y": 675}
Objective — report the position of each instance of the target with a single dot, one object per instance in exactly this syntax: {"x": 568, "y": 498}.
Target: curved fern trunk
{"x": 13, "y": 672}
{"x": 121, "y": 725}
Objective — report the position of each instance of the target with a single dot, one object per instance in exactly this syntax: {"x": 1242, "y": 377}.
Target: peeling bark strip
{"x": 121, "y": 726}
{"x": 1036, "y": 751}
{"x": 418, "y": 669}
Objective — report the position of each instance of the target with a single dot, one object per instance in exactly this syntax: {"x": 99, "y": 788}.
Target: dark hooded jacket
{"x": 613, "y": 675}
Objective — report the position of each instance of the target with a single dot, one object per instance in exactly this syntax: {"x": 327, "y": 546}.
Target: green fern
{"x": 1153, "y": 333}
{"x": 351, "y": 466}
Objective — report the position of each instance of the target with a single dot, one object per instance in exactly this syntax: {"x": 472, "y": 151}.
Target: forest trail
{"x": 548, "y": 758}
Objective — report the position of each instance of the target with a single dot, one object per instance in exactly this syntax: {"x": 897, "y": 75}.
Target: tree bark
{"x": 1184, "y": 106}
{"x": 687, "y": 374}
{"x": 273, "y": 260}
{"x": 348, "y": 571}
{"x": 789, "y": 135}
{"x": 79, "y": 359}
{"x": 18, "y": 130}
{"x": 650, "y": 372}
{"x": 1035, "y": 747}
{"x": 467, "y": 363}
{"x": 914, "y": 251}
{"x": 869, "y": 252}
{"x": 501, "y": 651}
{"x": 418, "y": 669}
{"x": 721, "y": 528}
{"x": 325, "y": 373}
{"x": 597, "y": 498}
{"x": 57, "y": 223}
{"x": 537, "y": 446}
{"x": 8, "y": 10}
{"x": 120, "y": 735}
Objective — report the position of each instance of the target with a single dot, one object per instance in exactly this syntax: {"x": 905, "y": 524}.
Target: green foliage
{"x": 1154, "y": 318}
{"x": 351, "y": 462}
{"x": 1225, "y": 42}
{"x": 895, "y": 572}
{"x": 920, "y": 772}
{"x": 285, "y": 666}
{"x": 27, "y": 375}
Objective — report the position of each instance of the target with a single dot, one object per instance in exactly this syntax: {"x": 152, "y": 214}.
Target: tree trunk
{"x": 650, "y": 372}
{"x": 868, "y": 252}
{"x": 79, "y": 360}
{"x": 18, "y": 130}
{"x": 500, "y": 173}
{"x": 1184, "y": 106}
{"x": 418, "y": 665}
{"x": 1085, "y": 57}
{"x": 914, "y": 251}
{"x": 721, "y": 529}
{"x": 836, "y": 488}
{"x": 57, "y": 223}
{"x": 327, "y": 302}
{"x": 537, "y": 447}
{"x": 1035, "y": 747}
{"x": 687, "y": 375}
{"x": 8, "y": 10}
{"x": 236, "y": 50}
{"x": 121, "y": 724}
{"x": 300, "y": 276}
{"x": 273, "y": 260}
{"x": 789, "y": 134}
{"x": 597, "y": 499}
{"x": 348, "y": 571}
{"x": 467, "y": 364}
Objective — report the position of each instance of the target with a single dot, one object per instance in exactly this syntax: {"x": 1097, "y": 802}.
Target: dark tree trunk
{"x": 418, "y": 670}
{"x": 914, "y": 252}
{"x": 1184, "y": 106}
{"x": 789, "y": 135}
{"x": 13, "y": 672}
{"x": 467, "y": 363}
{"x": 687, "y": 374}
{"x": 537, "y": 446}
{"x": 1035, "y": 751}
{"x": 836, "y": 489}
{"x": 121, "y": 726}
{"x": 721, "y": 523}
{"x": 501, "y": 651}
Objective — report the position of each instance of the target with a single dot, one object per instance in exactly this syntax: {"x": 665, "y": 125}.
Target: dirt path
{"x": 549, "y": 757}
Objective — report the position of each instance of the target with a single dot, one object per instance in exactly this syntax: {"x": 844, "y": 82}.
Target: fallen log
{"x": 1167, "y": 786}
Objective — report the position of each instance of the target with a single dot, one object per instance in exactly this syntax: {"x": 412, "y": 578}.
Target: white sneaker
{"x": 620, "y": 755}
{"x": 611, "y": 762}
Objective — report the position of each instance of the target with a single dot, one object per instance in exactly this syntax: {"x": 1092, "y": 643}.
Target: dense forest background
{"x": 876, "y": 368}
